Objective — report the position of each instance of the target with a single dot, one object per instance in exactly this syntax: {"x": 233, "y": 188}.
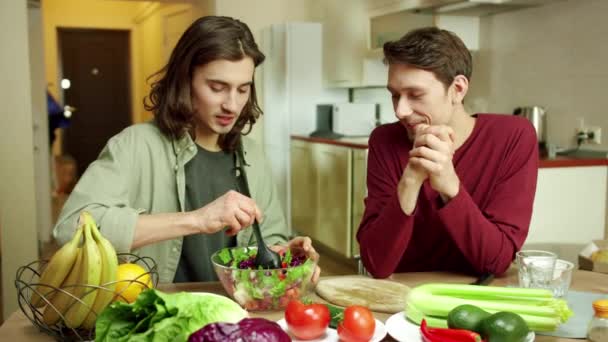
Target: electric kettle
{"x": 538, "y": 117}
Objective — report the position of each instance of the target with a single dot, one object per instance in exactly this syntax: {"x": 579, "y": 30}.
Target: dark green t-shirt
{"x": 209, "y": 175}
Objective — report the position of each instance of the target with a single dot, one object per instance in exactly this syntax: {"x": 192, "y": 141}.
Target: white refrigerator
{"x": 292, "y": 83}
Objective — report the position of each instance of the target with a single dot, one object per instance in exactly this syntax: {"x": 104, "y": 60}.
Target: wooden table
{"x": 18, "y": 328}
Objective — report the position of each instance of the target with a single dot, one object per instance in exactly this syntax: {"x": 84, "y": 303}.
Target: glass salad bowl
{"x": 263, "y": 289}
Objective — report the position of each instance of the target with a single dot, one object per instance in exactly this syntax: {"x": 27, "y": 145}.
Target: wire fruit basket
{"x": 27, "y": 278}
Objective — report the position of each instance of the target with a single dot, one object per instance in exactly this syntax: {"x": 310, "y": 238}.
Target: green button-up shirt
{"x": 140, "y": 170}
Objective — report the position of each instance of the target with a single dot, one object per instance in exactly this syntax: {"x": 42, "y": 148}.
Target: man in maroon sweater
{"x": 447, "y": 191}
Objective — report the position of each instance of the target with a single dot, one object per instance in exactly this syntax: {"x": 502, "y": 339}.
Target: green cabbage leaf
{"x": 158, "y": 316}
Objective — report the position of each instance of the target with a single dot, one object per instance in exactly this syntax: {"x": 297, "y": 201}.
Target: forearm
{"x": 488, "y": 242}
{"x": 387, "y": 225}
{"x": 160, "y": 227}
{"x": 408, "y": 192}
{"x": 383, "y": 236}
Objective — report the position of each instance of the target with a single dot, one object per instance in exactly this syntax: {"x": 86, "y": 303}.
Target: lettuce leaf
{"x": 158, "y": 316}
{"x": 232, "y": 257}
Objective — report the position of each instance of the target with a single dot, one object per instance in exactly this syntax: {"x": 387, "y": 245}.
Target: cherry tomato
{"x": 307, "y": 322}
{"x": 358, "y": 324}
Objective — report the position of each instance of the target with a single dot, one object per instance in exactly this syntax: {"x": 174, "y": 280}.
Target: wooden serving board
{"x": 377, "y": 294}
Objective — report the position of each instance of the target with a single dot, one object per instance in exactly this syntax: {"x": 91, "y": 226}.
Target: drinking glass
{"x": 535, "y": 268}
{"x": 562, "y": 277}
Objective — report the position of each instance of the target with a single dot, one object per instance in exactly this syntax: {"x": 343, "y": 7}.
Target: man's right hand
{"x": 233, "y": 210}
{"x": 413, "y": 174}
{"x": 409, "y": 187}
{"x": 410, "y": 183}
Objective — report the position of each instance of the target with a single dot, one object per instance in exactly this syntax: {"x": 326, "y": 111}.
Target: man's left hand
{"x": 304, "y": 244}
{"x": 433, "y": 151}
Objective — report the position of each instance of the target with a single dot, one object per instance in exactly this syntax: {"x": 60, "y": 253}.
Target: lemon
{"x": 132, "y": 279}
{"x": 600, "y": 256}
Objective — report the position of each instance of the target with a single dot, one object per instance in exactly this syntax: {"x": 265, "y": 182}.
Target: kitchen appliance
{"x": 355, "y": 119}
{"x": 537, "y": 115}
{"x": 325, "y": 123}
{"x": 346, "y": 120}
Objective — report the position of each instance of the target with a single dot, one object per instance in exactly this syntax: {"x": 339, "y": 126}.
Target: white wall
{"x": 158, "y": 27}
{"x": 17, "y": 189}
{"x": 42, "y": 151}
{"x": 554, "y": 56}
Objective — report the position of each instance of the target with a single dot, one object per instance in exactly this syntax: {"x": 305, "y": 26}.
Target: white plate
{"x": 403, "y": 330}
{"x": 332, "y": 335}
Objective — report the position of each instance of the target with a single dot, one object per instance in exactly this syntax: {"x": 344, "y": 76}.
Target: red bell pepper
{"x": 447, "y": 335}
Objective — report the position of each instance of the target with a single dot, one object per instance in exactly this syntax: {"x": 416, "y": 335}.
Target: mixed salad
{"x": 263, "y": 289}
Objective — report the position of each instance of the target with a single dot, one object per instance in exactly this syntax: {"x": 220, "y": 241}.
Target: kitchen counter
{"x": 562, "y": 161}
{"x": 18, "y": 328}
{"x": 559, "y": 161}
{"x": 358, "y": 142}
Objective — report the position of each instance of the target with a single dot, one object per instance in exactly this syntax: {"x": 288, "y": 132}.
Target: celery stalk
{"x": 417, "y": 316}
{"x": 537, "y": 307}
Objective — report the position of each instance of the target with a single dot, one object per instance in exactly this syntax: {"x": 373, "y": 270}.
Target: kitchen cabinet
{"x": 569, "y": 206}
{"x": 389, "y": 17}
{"x": 345, "y": 30}
{"x": 393, "y": 26}
{"x": 359, "y": 194}
{"x": 354, "y": 31}
{"x": 304, "y": 189}
{"x": 328, "y": 188}
{"x": 352, "y": 39}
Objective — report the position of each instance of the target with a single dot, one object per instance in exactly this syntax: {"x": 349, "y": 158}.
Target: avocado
{"x": 504, "y": 327}
{"x": 467, "y": 317}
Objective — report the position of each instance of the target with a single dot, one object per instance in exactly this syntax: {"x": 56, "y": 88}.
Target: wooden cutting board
{"x": 377, "y": 294}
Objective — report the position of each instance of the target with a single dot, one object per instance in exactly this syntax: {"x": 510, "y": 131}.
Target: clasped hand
{"x": 431, "y": 157}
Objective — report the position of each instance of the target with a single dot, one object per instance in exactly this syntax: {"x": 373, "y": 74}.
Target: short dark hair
{"x": 432, "y": 49}
{"x": 208, "y": 39}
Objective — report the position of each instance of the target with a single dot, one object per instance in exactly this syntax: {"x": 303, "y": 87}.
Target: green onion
{"x": 537, "y": 307}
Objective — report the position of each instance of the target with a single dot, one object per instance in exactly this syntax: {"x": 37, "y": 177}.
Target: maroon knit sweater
{"x": 479, "y": 230}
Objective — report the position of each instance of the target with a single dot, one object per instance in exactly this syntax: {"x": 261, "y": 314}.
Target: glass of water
{"x": 536, "y": 268}
{"x": 562, "y": 277}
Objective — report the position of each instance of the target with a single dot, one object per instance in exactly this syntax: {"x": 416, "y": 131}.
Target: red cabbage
{"x": 247, "y": 330}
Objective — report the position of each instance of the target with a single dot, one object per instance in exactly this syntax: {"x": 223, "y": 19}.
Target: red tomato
{"x": 307, "y": 322}
{"x": 358, "y": 324}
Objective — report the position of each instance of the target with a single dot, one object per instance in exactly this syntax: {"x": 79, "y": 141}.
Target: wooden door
{"x": 97, "y": 64}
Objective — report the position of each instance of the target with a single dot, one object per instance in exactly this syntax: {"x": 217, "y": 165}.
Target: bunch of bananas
{"x": 79, "y": 280}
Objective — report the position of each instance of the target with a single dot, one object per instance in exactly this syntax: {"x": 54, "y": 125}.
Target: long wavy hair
{"x": 208, "y": 39}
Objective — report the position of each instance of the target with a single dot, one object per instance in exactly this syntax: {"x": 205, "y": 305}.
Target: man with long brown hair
{"x": 169, "y": 188}
{"x": 446, "y": 190}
